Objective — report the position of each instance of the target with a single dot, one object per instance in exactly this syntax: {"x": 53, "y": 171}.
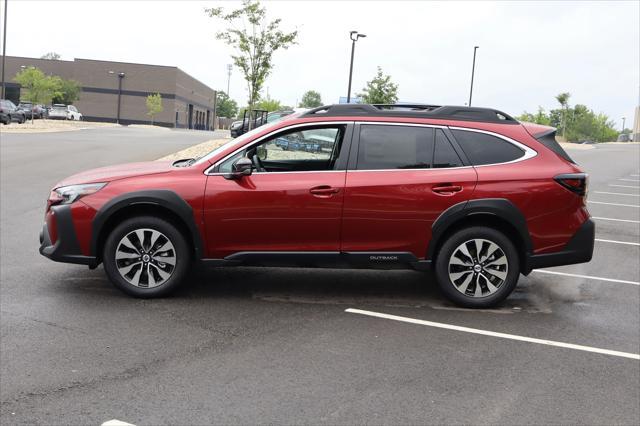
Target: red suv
{"x": 469, "y": 193}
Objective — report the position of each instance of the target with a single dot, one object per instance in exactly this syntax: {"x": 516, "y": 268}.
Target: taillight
{"x": 574, "y": 182}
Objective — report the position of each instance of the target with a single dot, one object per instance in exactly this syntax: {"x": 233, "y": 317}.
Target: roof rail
{"x": 447, "y": 112}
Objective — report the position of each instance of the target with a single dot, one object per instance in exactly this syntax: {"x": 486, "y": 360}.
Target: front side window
{"x": 303, "y": 149}
{"x": 482, "y": 148}
{"x": 384, "y": 147}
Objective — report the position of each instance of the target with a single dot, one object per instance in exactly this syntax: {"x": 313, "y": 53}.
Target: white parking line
{"x": 116, "y": 422}
{"x": 615, "y": 220}
{"x": 634, "y": 175}
{"x": 618, "y": 242}
{"x": 588, "y": 277}
{"x": 630, "y": 180}
{"x": 616, "y": 193}
{"x": 615, "y": 204}
{"x": 495, "y": 334}
{"x": 625, "y": 186}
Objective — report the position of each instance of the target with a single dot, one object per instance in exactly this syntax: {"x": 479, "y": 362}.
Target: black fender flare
{"x": 498, "y": 207}
{"x": 157, "y": 197}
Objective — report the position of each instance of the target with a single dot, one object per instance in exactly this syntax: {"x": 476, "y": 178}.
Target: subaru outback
{"x": 469, "y": 194}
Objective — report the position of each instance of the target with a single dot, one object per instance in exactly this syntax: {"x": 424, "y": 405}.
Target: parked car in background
{"x": 32, "y": 111}
{"x": 45, "y": 111}
{"x": 242, "y": 126}
{"x": 64, "y": 112}
{"x": 468, "y": 193}
{"x": 294, "y": 143}
{"x": 9, "y": 112}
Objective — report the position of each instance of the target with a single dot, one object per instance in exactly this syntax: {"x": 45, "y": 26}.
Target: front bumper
{"x": 66, "y": 248}
{"x": 579, "y": 249}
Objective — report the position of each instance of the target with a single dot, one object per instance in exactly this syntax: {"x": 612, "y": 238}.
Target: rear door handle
{"x": 324, "y": 191}
{"x": 446, "y": 189}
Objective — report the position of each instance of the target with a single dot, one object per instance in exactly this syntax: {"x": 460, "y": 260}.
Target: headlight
{"x": 71, "y": 193}
{"x": 236, "y": 124}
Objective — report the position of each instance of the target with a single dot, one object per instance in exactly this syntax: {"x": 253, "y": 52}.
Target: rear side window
{"x": 549, "y": 141}
{"x": 395, "y": 147}
{"x": 482, "y": 148}
{"x": 444, "y": 155}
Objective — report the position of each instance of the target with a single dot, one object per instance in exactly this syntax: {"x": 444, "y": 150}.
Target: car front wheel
{"x": 477, "y": 267}
{"x": 146, "y": 257}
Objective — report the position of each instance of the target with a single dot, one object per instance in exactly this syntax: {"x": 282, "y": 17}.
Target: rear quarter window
{"x": 482, "y": 148}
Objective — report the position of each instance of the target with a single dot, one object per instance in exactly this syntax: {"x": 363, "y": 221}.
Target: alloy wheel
{"x": 478, "y": 268}
{"x": 145, "y": 258}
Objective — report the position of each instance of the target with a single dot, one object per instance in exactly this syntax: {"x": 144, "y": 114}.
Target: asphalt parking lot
{"x": 289, "y": 346}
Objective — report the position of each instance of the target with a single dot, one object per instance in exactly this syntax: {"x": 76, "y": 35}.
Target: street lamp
{"x": 473, "y": 70}
{"x": 623, "y": 120}
{"x": 354, "y": 36}
{"x": 229, "y": 68}
{"x": 120, "y": 77}
{"x": 4, "y": 47}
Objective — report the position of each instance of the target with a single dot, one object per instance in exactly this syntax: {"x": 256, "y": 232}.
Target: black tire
{"x": 182, "y": 254}
{"x": 487, "y": 299}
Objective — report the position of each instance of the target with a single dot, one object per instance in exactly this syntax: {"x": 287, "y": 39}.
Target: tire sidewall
{"x": 476, "y": 232}
{"x": 182, "y": 249}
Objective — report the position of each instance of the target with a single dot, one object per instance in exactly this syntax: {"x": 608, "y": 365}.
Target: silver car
{"x": 64, "y": 112}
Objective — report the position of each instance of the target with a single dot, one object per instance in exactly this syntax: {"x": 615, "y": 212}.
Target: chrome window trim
{"x": 261, "y": 138}
{"x": 528, "y": 152}
{"x": 411, "y": 170}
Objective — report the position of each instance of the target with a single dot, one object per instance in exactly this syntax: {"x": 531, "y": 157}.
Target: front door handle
{"x": 446, "y": 189}
{"x": 324, "y": 191}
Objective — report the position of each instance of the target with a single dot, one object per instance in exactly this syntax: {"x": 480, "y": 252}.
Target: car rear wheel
{"x": 146, "y": 257}
{"x": 477, "y": 267}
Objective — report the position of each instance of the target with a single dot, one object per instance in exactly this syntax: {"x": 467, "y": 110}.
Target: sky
{"x": 529, "y": 51}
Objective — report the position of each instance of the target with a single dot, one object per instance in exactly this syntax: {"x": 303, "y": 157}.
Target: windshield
{"x": 239, "y": 141}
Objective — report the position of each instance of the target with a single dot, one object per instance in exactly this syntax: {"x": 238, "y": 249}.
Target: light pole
{"x": 623, "y": 120}
{"x": 473, "y": 70}
{"x": 120, "y": 77}
{"x": 229, "y": 67}
{"x": 354, "y": 36}
{"x": 4, "y": 46}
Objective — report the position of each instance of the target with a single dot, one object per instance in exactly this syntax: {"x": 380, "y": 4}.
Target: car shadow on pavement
{"x": 348, "y": 287}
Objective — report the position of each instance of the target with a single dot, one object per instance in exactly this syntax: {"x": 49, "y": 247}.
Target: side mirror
{"x": 242, "y": 167}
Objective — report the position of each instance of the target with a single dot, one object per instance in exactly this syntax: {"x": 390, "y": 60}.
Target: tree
{"x": 540, "y": 117}
{"x": 51, "y": 56}
{"x": 36, "y": 87}
{"x": 310, "y": 99}
{"x": 255, "y": 41}
{"x": 380, "y": 90}
{"x": 154, "y": 105}
{"x": 563, "y": 100}
{"x": 579, "y": 123}
{"x": 225, "y": 106}
{"x": 66, "y": 91}
{"x": 269, "y": 105}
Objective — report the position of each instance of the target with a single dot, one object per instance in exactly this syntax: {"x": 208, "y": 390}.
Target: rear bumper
{"x": 579, "y": 249}
{"x": 66, "y": 248}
